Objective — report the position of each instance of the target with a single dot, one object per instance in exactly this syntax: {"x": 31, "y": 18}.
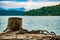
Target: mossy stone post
{"x": 14, "y": 24}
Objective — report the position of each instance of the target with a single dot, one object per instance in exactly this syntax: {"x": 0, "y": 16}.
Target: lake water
{"x": 50, "y": 23}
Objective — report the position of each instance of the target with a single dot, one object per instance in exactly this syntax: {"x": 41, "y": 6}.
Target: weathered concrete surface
{"x": 14, "y": 31}
{"x": 15, "y": 36}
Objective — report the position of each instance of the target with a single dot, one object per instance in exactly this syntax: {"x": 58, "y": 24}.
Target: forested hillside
{"x": 11, "y": 12}
{"x": 45, "y": 11}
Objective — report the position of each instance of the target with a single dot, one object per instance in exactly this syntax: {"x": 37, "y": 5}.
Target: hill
{"x": 12, "y": 12}
{"x": 45, "y": 11}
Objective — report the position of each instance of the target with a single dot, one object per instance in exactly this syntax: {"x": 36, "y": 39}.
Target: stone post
{"x": 14, "y": 24}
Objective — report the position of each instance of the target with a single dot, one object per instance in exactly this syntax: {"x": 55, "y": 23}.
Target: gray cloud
{"x": 15, "y": 0}
{"x": 27, "y": 5}
{"x": 44, "y": 0}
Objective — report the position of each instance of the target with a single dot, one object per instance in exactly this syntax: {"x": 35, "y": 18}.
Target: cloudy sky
{"x": 27, "y": 4}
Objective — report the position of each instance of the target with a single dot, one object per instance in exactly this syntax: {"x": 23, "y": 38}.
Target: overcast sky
{"x": 27, "y": 4}
{"x": 28, "y": 0}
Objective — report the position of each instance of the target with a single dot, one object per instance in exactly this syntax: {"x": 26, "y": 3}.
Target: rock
{"x": 14, "y": 31}
{"x": 14, "y": 24}
{"x": 52, "y": 33}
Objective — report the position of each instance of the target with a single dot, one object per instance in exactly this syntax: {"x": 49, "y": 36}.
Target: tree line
{"x": 45, "y": 11}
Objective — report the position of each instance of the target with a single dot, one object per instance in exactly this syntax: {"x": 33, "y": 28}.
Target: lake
{"x": 50, "y": 23}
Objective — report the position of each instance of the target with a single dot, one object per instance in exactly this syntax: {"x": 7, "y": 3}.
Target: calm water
{"x": 50, "y": 23}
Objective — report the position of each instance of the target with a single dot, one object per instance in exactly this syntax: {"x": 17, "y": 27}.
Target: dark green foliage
{"x": 11, "y": 12}
{"x": 45, "y": 11}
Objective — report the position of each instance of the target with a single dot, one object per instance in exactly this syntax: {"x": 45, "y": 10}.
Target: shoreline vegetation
{"x": 43, "y": 11}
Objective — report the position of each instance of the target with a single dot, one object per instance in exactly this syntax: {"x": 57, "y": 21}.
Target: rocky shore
{"x": 15, "y": 36}
{"x": 14, "y": 31}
